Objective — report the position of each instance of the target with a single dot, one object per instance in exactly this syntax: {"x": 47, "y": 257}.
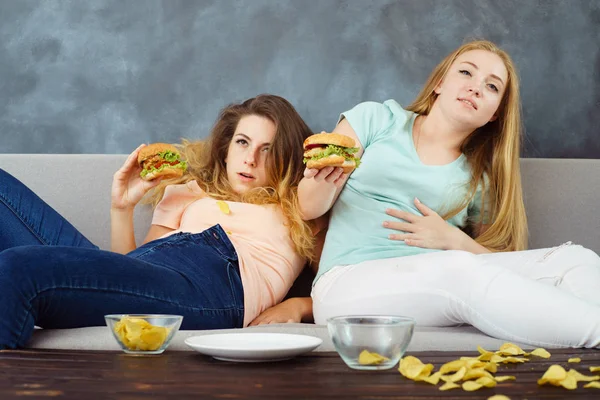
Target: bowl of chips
{"x": 143, "y": 333}
{"x": 370, "y": 342}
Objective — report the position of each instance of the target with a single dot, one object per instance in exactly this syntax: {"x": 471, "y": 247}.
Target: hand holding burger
{"x": 136, "y": 175}
{"x": 160, "y": 159}
{"x": 330, "y": 150}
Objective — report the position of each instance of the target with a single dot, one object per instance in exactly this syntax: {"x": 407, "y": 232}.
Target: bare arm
{"x": 469, "y": 244}
{"x": 319, "y": 190}
{"x": 127, "y": 190}
{"x": 122, "y": 239}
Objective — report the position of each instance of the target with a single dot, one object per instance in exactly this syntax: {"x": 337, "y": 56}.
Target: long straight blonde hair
{"x": 492, "y": 150}
{"x": 206, "y": 163}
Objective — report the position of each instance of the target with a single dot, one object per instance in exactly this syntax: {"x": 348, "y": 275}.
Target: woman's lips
{"x": 244, "y": 177}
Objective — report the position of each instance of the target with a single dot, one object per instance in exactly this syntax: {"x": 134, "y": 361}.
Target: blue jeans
{"x": 53, "y": 277}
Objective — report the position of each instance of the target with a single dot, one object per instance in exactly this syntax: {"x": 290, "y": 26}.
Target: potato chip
{"x": 554, "y": 375}
{"x": 457, "y": 376}
{"x": 574, "y": 360}
{"x": 582, "y": 378}
{"x": 540, "y": 353}
{"x": 224, "y": 207}
{"x": 509, "y": 349}
{"x": 449, "y": 385}
{"x": 499, "y": 359}
{"x": 498, "y": 397}
{"x": 484, "y": 354}
{"x": 412, "y": 368}
{"x": 433, "y": 379}
{"x": 139, "y": 334}
{"x": 504, "y": 378}
{"x": 491, "y": 367}
{"x": 569, "y": 382}
{"x": 476, "y": 373}
{"x": 594, "y": 385}
{"x": 557, "y": 376}
{"x": 470, "y": 386}
{"x": 594, "y": 369}
{"x": 452, "y": 366}
{"x": 367, "y": 358}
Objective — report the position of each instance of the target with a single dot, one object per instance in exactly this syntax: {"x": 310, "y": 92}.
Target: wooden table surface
{"x": 62, "y": 374}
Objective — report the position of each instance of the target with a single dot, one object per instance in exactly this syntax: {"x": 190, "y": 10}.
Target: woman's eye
{"x": 465, "y": 72}
{"x": 243, "y": 142}
{"x": 265, "y": 149}
{"x": 493, "y": 87}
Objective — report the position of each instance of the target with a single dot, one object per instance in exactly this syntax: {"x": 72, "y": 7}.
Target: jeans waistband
{"x": 217, "y": 238}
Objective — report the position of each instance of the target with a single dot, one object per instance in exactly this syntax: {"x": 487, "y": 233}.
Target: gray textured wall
{"x": 101, "y": 76}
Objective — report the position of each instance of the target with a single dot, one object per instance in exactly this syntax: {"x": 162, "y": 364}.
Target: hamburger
{"x": 160, "y": 159}
{"x": 330, "y": 150}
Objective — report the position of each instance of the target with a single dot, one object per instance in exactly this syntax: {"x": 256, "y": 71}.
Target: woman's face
{"x": 473, "y": 88}
{"x": 247, "y": 153}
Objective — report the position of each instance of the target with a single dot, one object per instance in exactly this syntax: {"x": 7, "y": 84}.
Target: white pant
{"x": 546, "y": 297}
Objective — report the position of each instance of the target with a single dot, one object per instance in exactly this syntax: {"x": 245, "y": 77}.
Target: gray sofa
{"x": 561, "y": 197}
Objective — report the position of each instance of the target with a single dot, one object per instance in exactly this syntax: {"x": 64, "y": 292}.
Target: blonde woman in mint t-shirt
{"x": 446, "y": 165}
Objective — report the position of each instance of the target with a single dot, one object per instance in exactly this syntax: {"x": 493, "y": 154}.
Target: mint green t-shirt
{"x": 390, "y": 175}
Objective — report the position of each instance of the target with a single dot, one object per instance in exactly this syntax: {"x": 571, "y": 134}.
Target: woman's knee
{"x": 18, "y": 264}
{"x": 579, "y": 255}
{"x": 12, "y": 270}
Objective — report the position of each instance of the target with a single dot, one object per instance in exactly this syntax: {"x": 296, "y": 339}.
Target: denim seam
{"x": 166, "y": 244}
{"x": 230, "y": 270}
{"x": 13, "y": 209}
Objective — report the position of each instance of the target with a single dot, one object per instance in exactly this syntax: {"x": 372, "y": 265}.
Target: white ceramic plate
{"x": 253, "y": 347}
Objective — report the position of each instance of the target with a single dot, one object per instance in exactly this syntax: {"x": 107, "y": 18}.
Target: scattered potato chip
{"x": 574, "y": 360}
{"x": 592, "y": 385}
{"x": 476, "y": 373}
{"x": 484, "y": 381}
{"x": 554, "y": 373}
{"x": 452, "y": 366}
{"x": 412, "y": 368}
{"x": 582, "y": 378}
{"x": 367, "y": 358}
{"x": 457, "y": 376}
{"x": 433, "y": 379}
{"x": 139, "y": 334}
{"x": 504, "y": 378}
{"x": 224, "y": 207}
{"x": 485, "y": 355}
{"x": 491, "y": 367}
{"x": 500, "y": 359}
{"x": 449, "y": 385}
{"x": 540, "y": 353}
{"x": 569, "y": 382}
{"x": 498, "y": 397}
{"x": 509, "y": 349}
{"x": 557, "y": 376}
{"x": 594, "y": 369}
{"x": 470, "y": 386}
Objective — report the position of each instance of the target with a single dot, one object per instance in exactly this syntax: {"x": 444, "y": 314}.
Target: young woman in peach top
{"x": 226, "y": 242}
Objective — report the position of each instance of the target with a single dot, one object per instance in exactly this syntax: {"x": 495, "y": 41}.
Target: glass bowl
{"x": 143, "y": 333}
{"x": 371, "y": 342}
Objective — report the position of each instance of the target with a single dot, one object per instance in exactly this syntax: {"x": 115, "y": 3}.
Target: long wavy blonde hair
{"x": 492, "y": 150}
{"x": 206, "y": 163}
